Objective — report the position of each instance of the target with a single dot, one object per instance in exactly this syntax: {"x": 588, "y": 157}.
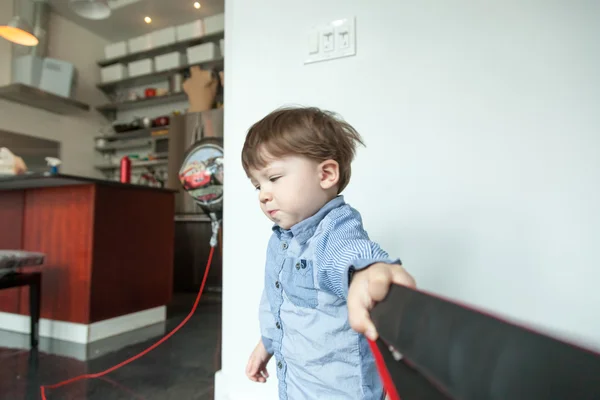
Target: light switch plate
{"x": 336, "y": 39}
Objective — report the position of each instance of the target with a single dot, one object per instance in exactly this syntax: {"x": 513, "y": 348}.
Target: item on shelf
{"x": 141, "y": 67}
{"x": 134, "y": 124}
{"x": 146, "y": 122}
{"x": 160, "y": 132}
{"x": 201, "y": 89}
{"x": 175, "y": 82}
{"x": 165, "y": 62}
{"x": 162, "y": 37}
{"x": 114, "y": 72}
{"x": 214, "y": 24}
{"x": 151, "y": 178}
{"x": 162, "y": 91}
{"x": 115, "y": 50}
{"x": 201, "y": 53}
{"x": 125, "y": 170}
{"x": 57, "y": 77}
{"x": 190, "y": 30}
{"x": 132, "y": 95}
{"x": 53, "y": 164}
{"x": 139, "y": 44}
{"x": 162, "y": 121}
{"x": 100, "y": 143}
{"x": 150, "y": 92}
{"x": 27, "y": 70}
{"x": 10, "y": 164}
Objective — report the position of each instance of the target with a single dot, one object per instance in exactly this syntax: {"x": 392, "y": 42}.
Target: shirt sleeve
{"x": 267, "y": 322}
{"x": 345, "y": 247}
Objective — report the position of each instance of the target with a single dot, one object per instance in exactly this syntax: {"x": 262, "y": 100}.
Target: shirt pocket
{"x": 299, "y": 282}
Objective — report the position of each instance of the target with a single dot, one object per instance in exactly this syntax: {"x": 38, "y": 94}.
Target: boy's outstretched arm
{"x": 370, "y": 286}
{"x": 256, "y": 369}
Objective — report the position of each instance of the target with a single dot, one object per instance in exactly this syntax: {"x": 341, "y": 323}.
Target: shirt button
{"x": 298, "y": 265}
{"x": 278, "y": 325}
{"x": 279, "y": 365}
{"x": 284, "y": 245}
{"x": 277, "y": 284}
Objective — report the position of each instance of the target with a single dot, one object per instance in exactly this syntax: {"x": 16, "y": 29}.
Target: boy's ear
{"x": 329, "y": 173}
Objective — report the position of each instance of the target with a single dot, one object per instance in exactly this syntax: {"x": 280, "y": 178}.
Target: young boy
{"x": 322, "y": 274}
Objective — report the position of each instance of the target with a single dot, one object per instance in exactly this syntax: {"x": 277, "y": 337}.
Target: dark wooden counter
{"x": 109, "y": 246}
{"x": 36, "y": 181}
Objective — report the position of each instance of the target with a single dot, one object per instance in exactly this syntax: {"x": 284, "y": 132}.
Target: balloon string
{"x": 149, "y": 349}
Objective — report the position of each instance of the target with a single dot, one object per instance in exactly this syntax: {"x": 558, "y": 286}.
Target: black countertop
{"x": 33, "y": 181}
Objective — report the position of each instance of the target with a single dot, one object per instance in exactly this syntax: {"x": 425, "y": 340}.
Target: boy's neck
{"x": 328, "y": 199}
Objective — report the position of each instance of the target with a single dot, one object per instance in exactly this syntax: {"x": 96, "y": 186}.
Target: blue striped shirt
{"x": 303, "y": 312}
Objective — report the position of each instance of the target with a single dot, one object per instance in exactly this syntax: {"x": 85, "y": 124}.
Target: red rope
{"x": 149, "y": 349}
{"x": 388, "y": 383}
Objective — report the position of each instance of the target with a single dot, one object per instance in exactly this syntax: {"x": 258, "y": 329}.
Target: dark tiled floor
{"x": 182, "y": 368}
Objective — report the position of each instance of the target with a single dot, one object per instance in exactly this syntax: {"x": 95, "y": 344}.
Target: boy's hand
{"x": 256, "y": 370}
{"x": 368, "y": 287}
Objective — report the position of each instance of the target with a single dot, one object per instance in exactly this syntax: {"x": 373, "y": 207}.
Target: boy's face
{"x": 290, "y": 189}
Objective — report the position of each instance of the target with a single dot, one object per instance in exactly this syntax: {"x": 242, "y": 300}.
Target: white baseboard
{"x": 243, "y": 388}
{"x": 126, "y": 323}
{"x": 220, "y": 387}
{"x": 84, "y": 333}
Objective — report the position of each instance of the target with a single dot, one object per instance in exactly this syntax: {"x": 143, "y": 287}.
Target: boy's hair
{"x": 307, "y": 131}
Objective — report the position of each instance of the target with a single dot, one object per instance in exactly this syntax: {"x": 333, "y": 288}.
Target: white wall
{"x": 6, "y": 10}
{"x": 483, "y": 157}
{"x": 67, "y": 41}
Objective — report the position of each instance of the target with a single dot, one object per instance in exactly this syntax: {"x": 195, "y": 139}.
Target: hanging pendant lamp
{"x": 17, "y": 30}
{"x": 91, "y": 9}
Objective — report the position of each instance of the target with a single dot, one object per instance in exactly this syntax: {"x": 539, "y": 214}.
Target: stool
{"x": 10, "y": 261}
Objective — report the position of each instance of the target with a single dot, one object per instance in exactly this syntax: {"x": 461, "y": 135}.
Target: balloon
{"x": 201, "y": 175}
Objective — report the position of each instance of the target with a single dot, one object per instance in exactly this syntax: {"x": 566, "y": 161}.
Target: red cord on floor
{"x": 149, "y": 349}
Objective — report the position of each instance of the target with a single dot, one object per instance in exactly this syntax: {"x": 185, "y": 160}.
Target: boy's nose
{"x": 265, "y": 196}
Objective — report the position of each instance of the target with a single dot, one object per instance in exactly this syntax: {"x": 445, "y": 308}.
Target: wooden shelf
{"x": 112, "y": 108}
{"x": 180, "y": 46}
{"x": 134, "y": 164}
{"x": 155, "y": 76}
{"x": 34, "y": 97}
{"x": 125, "y": 146}
{"x": 137, "y": 134}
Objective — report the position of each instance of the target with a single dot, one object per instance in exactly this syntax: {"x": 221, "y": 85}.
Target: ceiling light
{"x": 197, "y": 5}
{"x": 18, "y": 31}
{"x": 91, "y": 9}
{"x": 148, "y": 20}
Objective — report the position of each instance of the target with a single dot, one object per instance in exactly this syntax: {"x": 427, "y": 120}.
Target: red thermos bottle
{"x": 125, "y": 170}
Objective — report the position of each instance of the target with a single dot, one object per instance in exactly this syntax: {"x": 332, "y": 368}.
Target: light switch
{"x": 313, "y": 42}
{"x": 328, "y": 39}
{"x": 343, "y": 37}
{"x": 332, "y": 40}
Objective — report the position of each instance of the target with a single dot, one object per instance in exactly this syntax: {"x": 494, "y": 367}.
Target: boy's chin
{"x": 283, "y": 223}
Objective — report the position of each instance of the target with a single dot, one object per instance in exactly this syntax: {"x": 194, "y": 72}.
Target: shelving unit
{"x": 34, "y": 97}
{"x": 109, "y": 110}
{"x": 179, "y": 46}
{"x": 145, "y": 143}
{"x": 156, "y": 76}
{"x": 159, "y": 131}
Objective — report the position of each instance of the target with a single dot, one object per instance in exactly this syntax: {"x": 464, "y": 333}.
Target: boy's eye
{"x": 257, "y": 187}
{"x": 274, "y": 178}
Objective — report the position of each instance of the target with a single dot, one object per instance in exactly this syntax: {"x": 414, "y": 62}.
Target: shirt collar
{"x": 303, "y": 230}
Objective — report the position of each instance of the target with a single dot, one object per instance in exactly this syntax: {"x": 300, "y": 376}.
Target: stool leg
{"x": 34, "y": 310}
